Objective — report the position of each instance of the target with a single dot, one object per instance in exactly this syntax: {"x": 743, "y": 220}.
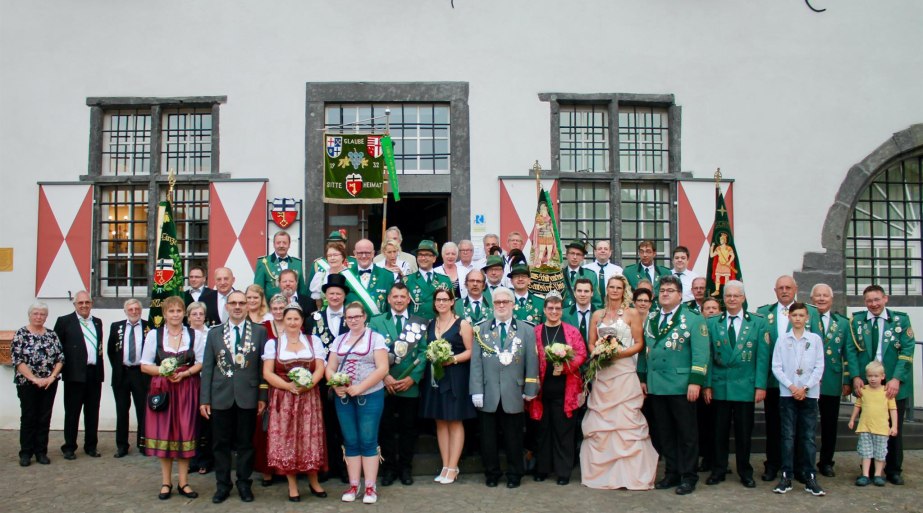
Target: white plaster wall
{"x": 782, "y": 99}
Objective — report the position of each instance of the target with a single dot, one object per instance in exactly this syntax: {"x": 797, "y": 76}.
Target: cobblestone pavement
{"x": 131, "y": 484}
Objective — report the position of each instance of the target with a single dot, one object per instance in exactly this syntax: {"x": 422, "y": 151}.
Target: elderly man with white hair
{"x": 129, "y": 384}
{"x": 504, "y": 372}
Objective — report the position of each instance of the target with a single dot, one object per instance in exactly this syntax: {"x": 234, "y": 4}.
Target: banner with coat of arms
{"x": 168, "y": 270}
{"x": 354, "y": 167}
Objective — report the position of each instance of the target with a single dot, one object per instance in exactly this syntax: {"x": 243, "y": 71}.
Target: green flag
{"x": 388, "y": 148}
{"x": 723, "y": 264}
{"x": 546, "y": 241}
{"x": 168, "y": 271}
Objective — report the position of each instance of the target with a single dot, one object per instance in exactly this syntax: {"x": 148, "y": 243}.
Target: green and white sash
{"x": 356, "y": 287}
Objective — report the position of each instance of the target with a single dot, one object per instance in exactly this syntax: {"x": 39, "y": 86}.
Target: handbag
{"x": 158, "y": 401}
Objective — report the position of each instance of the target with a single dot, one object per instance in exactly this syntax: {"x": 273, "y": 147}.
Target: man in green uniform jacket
{"x": 672, "y": 370}
{"x": 374, "y": 280}
{"x": 579, "y": 314}
{"x": 423, "y": 283}
{"x": 836, "y": 382}
{"x": 477, "y": 306}
{"x": 776, "y": 315}
{"x": 526, "y": 305}
{"x": 268, "y": 267}
{"x": 574, "y": 270}
{"x": 405, "y": 336}
{"x": 885, "y": 335}
{"x": 646, "y": 269}
{"x": 740, "y": 360}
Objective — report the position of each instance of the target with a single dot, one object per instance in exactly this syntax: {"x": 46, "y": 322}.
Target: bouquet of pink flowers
{"x": 559, "y": 355}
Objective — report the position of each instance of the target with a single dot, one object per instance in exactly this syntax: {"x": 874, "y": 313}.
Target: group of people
{"x": 325, "y": 370}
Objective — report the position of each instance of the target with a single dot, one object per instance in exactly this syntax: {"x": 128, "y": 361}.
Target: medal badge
{"x": 506, "y": 358}
{"x": 400, "y": 348}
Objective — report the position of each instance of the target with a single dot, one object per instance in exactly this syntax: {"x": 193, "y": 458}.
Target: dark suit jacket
{"x": 114, "y": 348}
{"x": 307, "y": 305}
{"x": 75, "y": 349}
{"x": 242, "y": 387}
{"x": 210, "y": 298}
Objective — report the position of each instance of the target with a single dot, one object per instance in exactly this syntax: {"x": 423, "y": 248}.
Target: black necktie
{"x": 732, "y": 332}
{"x": 366, "y": 271}
{"x": 132, "y": 352}
{"x": 602, "y": 277}
{"x": 583, "y": 324}
{"x": 650, "y": 274}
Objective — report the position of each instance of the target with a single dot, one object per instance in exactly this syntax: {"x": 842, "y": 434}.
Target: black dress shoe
{"x": 896, "y": 479}
{"x": 42, "y": 459}
{"x": 246, "y": 494}
{"x": 563, "y": 481}
{"x": 221, "y": 496}
{"x": 492, "y": 482}
{"x": 685, "y": 489}
{"x": 93, "y": 453}
{"x": 714, "y": 479}
{"x": 124, "y": 452}
{"x": 191, "y": 494}
{"x": 770, "y": 475}
{"x": 321, "y": 494}
{"x": 25, "y": 461}
{"x": 513, "y": 483}
{"x": 406, "y": 478}
{"x": 387, "y": 479}
{"x": 665, "y": 483}
{"x": 538, "y": 478}
{"x": 748, "y": 482}
{"x": 294, "y": 498}
{"x": 827, "y": 471}
{"x": 164, "y": 495}
{"x": 266, "y": 482}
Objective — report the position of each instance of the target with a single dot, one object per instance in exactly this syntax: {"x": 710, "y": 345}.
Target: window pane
{"x": 126, "y": 146}
{"x": 643, "y": 136}
{"x": 190, "y": 212}
{"x": 646, "y": 214}
{"x": 584, "y": 208}
{"x": 187, "y": 141}
{"x": 584, "y": 134}
{"x": 123, "y": 241}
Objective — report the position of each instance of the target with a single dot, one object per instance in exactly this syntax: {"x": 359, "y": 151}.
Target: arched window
{"x": 883, "y": 237}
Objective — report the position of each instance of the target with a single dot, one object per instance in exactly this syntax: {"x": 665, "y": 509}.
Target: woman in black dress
{"x": 447, "y": 400}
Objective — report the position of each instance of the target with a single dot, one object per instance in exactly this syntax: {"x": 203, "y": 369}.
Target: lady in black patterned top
{"x": 38, "y": 358}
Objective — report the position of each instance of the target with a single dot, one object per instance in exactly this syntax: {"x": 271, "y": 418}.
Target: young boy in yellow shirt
{"x": 873, "y": 430}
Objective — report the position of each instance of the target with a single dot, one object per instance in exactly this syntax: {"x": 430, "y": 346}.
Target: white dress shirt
{"x": 686, "y": 278}
{"x": 335, "y": 326}
{"x": 89, "y": 338}
{"x": 609, "y": 270}
{"x": 799, "y": 362}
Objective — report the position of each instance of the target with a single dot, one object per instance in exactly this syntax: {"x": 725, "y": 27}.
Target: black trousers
{"x": 773, "y": 430}
{"x": 82, "y": 396}
{"x": 397, "y": 433}
{"x": 335, "y": 464}
{"x": 829, "y": 406}
{"x": 706, "y": 420}
{"x": 234, "y": 425}
{"x": 556, "y": 445}
{"x": 36, "y": 405}
{"x": 741, "y": 414}
{"x": 133, "y": 388}
{"x": 648, "y": 411}
{"x": 678, "y": 432}
{"x": 512, "y": 425}
{"x": 204, "y": 456}
{"x": 894, "y": 463}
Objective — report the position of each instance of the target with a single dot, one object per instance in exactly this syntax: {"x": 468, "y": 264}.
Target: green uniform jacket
{"x": 691, "y": 304}
{"x": 267, "y": 274}
{"x": 814, "y": 325}
{"x": 675, "y": 357}
{"x": 635, "y": 273}
{"x": 421, "y": 293}
{"x": 737, "y": 371}
{"x": 573, "y": 318}
{"x": 465, "y": 310}
{"x": 836, "y": 370}
{"x": 378, "y": 287}
{"x": 414, "y": 360}
{"x": 597, "y": 301}
{"x": 533, "y": 312}
{"x": 896, "y": 355}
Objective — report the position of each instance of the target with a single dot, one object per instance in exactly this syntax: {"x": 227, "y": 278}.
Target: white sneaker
{"x": 371, "y": 495}
{"x": 350, "y": 494}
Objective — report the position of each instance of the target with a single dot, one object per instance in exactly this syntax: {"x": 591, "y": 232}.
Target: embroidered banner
{"x": 353, "y": 168}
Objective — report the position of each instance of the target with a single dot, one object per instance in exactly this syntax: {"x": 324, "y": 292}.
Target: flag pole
{"x": 718, "y": 179}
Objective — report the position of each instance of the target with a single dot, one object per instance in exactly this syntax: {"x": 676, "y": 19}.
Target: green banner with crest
{"x": 354, "y": 167}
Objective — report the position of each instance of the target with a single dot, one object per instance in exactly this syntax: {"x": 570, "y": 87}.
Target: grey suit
{"x": 233, "y": 390}
{"x": 503, "y": 387}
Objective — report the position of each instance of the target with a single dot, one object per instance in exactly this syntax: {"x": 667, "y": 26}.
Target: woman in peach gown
{"x": 616, "y": 451}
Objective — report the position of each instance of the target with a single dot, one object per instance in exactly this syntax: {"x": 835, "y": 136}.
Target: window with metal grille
{"x": 644, "y": 135}
{"x": 421, "y": 131}
{"x": 646, "y": 211}
{"x": 187, "y": 141}
{"x": 585, "y": 212}
{"x": 584, "y": 131}
{"x": 126, "y": 144}
{"x": 190, "y": 212}
{"x": 884, "y": 240}
{"x": 122, "y": 269}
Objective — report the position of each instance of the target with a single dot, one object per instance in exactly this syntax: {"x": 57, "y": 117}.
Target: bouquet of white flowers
{"x": 339, "y": 379}
{"x": 559, "y": 355}
{"x": 168, "y": 366}
{"x": 301, "y": 377}
{"x": 438, "y": 352}
{"x": 608, "y": 347}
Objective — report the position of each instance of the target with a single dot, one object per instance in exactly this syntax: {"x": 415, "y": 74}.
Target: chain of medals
{"x": 505, "y": 356}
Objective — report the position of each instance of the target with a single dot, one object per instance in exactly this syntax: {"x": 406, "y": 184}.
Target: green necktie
{"x": 429, "y": 277}
{"x": 502, "y": 333}
{"x": 522, "y": 302}
{"x": 664, "y": 322}
{"x": 650, "y": 274}
{"x": 236, "y": 338}
{"x": 732, "y": 332}
{"x": 876, "y": 336}
{"x": 573, "y": 277}
{"x": 477, "y": 310}
{"x": 602, "y": 277}
{"x": 397, "y": 323}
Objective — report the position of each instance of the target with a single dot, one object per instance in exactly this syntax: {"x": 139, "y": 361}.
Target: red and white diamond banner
{"x": 65, "y": 228}
{"x": 237, "y": 228}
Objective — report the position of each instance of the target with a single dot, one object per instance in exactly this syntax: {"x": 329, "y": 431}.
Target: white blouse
{"x": 305, "y": 352}
{"x": 149, "y": 353}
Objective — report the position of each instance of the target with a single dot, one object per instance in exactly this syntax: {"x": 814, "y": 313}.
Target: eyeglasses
{"x": 502, "y": 302}
{"x": 642, "y": 300}
{"x": 236, "y": 303}
{"x": 553, "y": 308}
{"x": 354, "y": 317}
{"x": 475, "y": 281}
{"x": 668, "y": 291}
{"x": 442, "y": 300}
